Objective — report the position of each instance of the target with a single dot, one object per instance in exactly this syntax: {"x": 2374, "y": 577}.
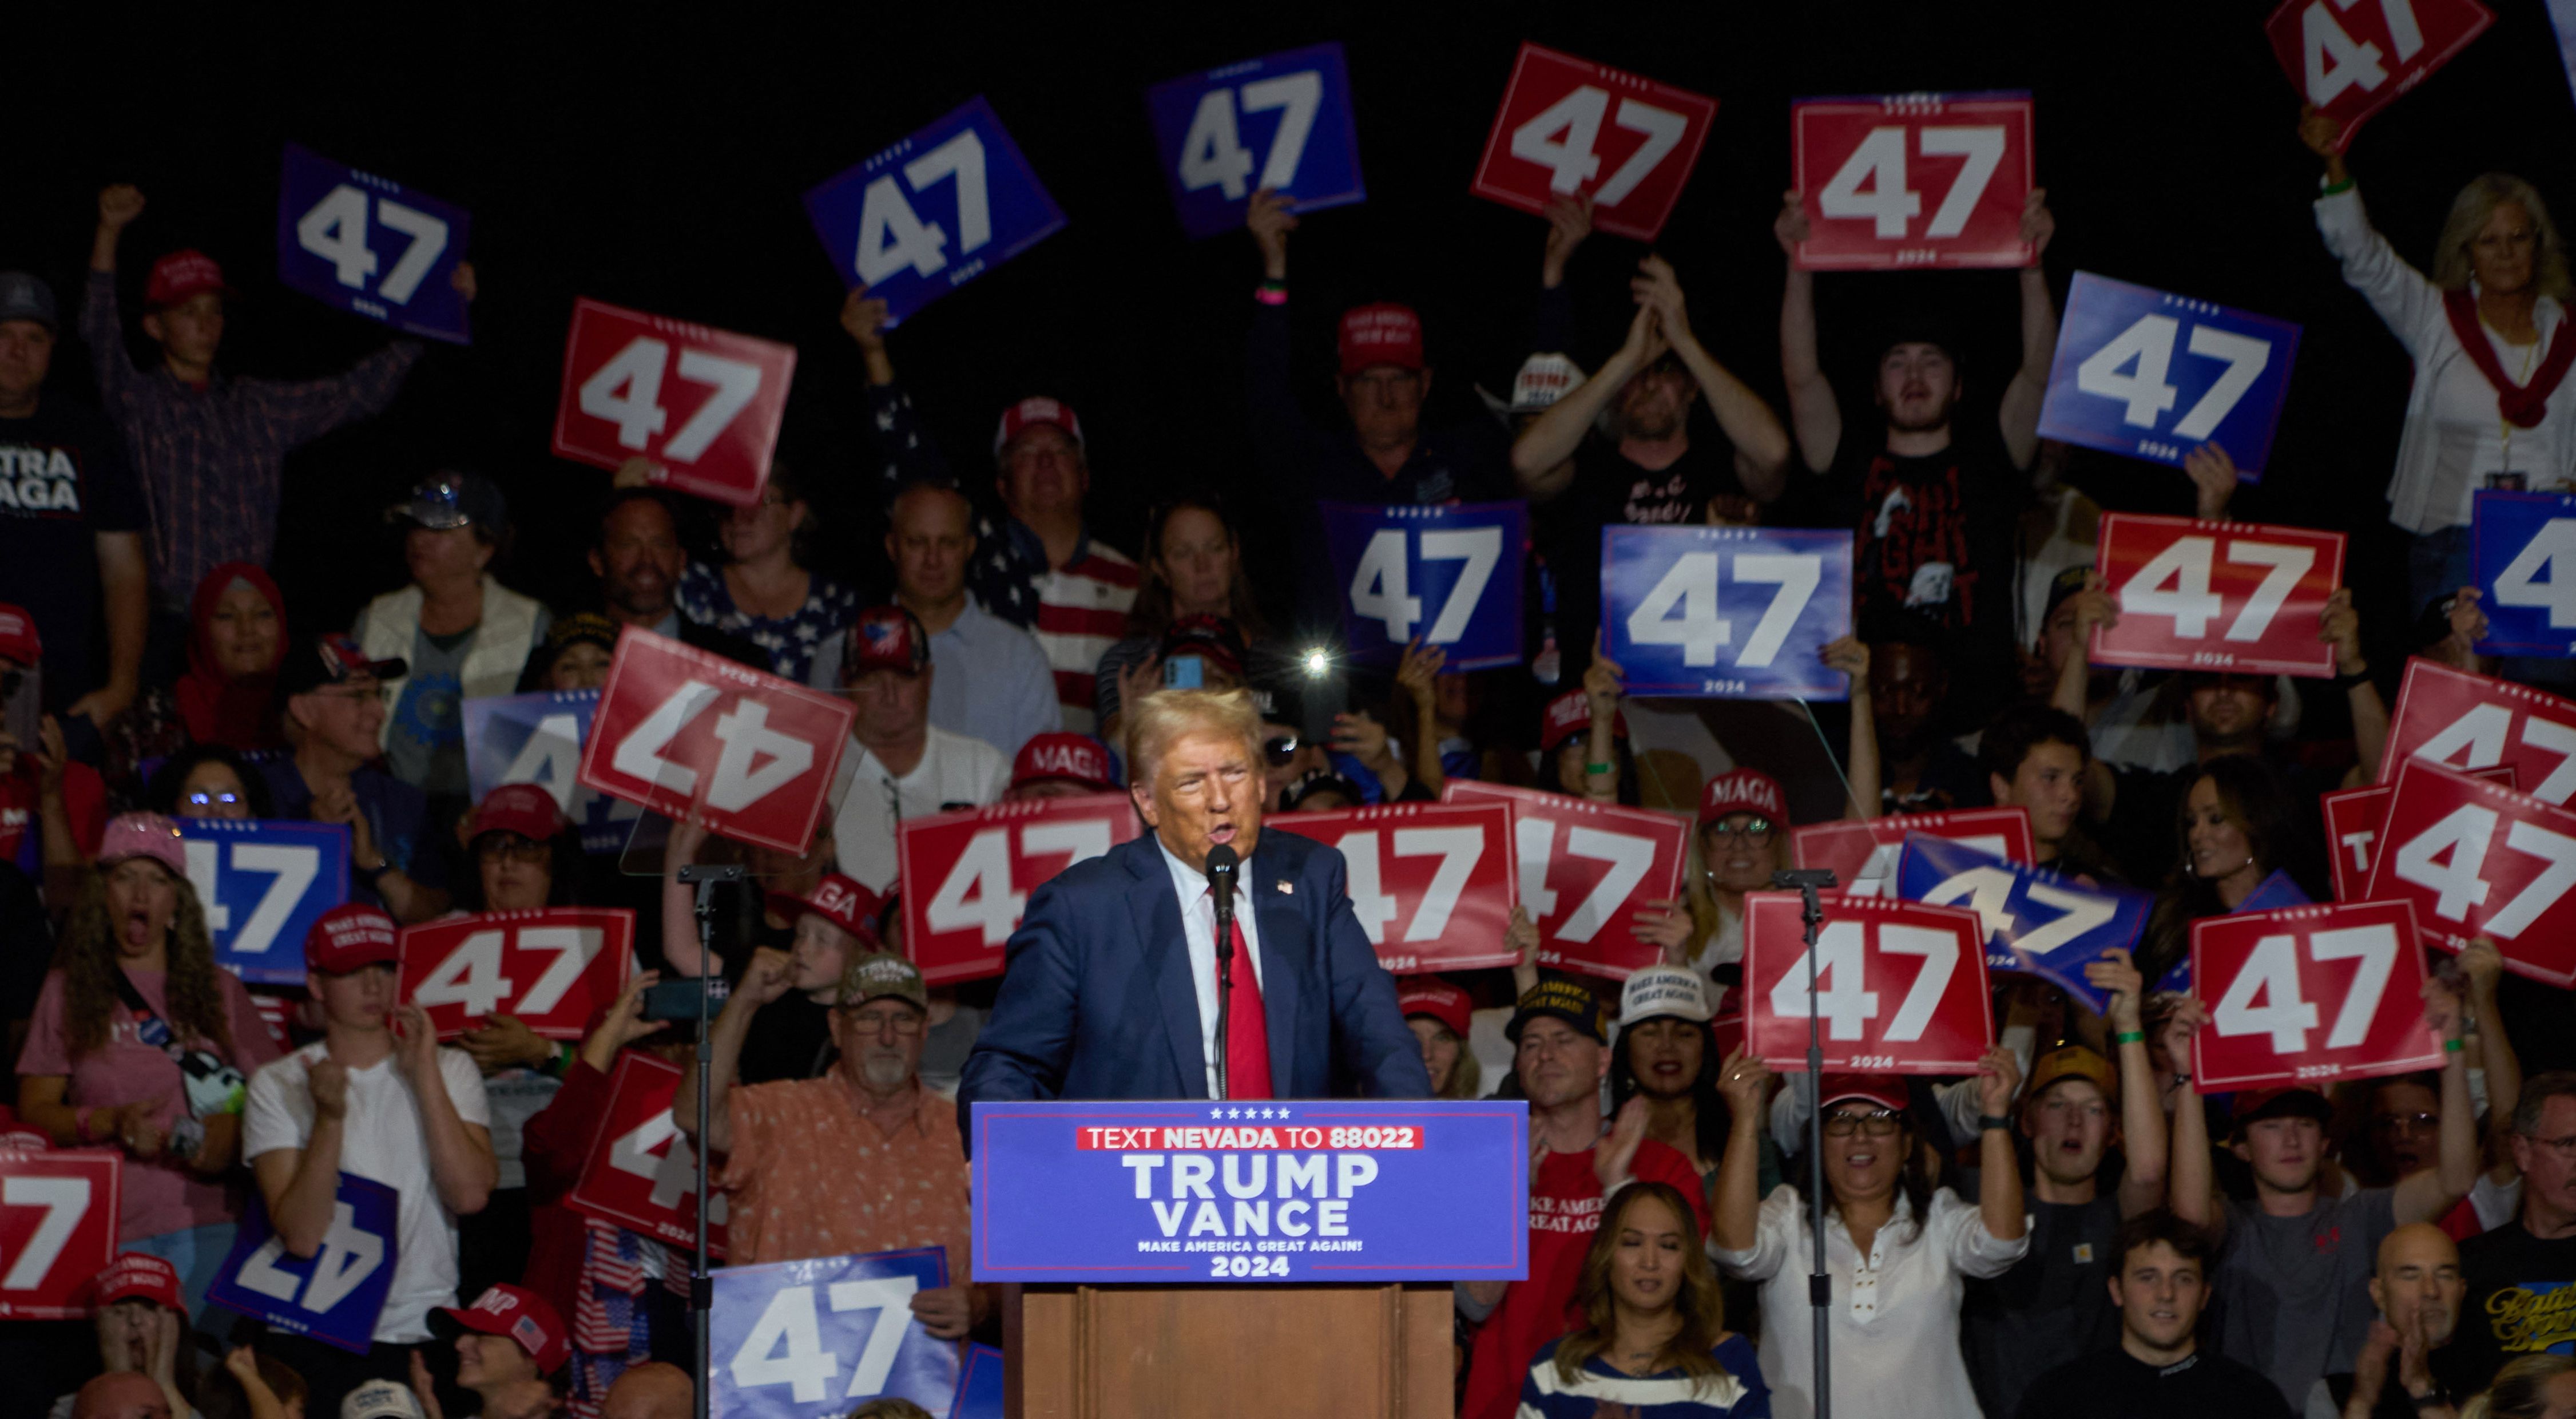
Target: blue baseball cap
{"x": 23, "y": 297}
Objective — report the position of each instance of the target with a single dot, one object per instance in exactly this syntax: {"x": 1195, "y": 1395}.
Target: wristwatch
{"x": 1992, "y": 1121}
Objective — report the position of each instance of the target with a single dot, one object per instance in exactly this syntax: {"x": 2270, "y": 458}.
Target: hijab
{"x": 216, "y": 708}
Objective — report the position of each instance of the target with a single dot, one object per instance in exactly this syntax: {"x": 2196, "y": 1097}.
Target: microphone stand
{"x": 1820, "y": 1282}
{"x": 1224, "y": 988}
{"x": 702, "y": 1282}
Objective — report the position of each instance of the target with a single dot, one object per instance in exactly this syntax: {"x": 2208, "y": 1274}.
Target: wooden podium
{"x": 1228, "y": 1352}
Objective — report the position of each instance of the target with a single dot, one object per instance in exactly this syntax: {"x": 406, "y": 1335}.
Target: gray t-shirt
{"x": 2294, "y": 1292}
{"x": 2052, "y": 1307}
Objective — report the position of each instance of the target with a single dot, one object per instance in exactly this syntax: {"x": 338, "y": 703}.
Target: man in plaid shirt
{"x": 210, "y": 449}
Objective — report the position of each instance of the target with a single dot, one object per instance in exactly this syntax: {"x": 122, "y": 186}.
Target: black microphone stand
{"x": 1221, "y": 888}
{"x": 1820, "y": 1282}
{"x": 702, "y": 1282}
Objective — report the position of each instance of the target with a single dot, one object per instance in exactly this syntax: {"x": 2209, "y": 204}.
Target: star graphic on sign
{"x": 1216, "y": 1113}
{"x": 1234, "y": 1113}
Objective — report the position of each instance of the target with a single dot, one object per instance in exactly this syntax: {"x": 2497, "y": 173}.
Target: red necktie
{"x": 1247, "y": 1031}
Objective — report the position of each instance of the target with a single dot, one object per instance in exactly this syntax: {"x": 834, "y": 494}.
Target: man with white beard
{"x": 863, "y": 1159}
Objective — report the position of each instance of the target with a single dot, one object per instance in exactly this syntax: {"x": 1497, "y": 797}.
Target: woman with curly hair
{"x": 139, "y": 1041}
{"x": 1653, "y": 1335}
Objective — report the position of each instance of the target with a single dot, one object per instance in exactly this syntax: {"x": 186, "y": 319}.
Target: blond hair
{"x": 1155, "y": 721}
{"x": 2470, "y": 211}
{"x": 2520, "y": 1390}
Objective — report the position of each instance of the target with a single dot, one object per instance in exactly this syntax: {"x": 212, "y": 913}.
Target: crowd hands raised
{"x": 2072, "y": 1229}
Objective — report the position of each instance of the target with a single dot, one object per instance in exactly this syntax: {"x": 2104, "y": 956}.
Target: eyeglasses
{"x": 1754, "y": 829}
{"x": 2565, "y": 1147}
{"x": 209, "y": 800}
{"x": 902, "y": 1023}
{"x": 513, "y": 848}
{"x": 1877, "y": 1123}
{"x": 2407, "y": 1123}
{"x": 1281, "y": 750}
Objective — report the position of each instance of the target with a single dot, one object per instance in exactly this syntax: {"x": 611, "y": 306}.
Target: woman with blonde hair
{"x": 1652, "y": 1334}
{"x": 2484, "y": 332}
{"x": 141, "y": 1042}
{"x": 2533, "y": 1387}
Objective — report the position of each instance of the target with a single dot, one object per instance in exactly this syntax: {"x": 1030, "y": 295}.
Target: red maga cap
{"x": 182, "y": 274}
{"x": 18, "y": 638}
{"x": 1570, "y": 714}
{"x": 349, "y": 937}
{"x": 1380, "y": 334}
{"x": 523, "y": 1316}
{"x": 138, "y": 1274}
{"x": 1031, "y": 412}
{"x": 839, "y": 900}
{"x": 885, "y": 638}
{"x": 1437, "y": 998}
{"x": 1885, "y": 1090}
{"x": 1744, "y": 791}
{"x": 521, "y": 808}
{"x": 1077, "y": 758}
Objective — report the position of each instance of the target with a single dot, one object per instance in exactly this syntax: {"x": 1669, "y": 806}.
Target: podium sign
{"x": 1307, "y": 1191}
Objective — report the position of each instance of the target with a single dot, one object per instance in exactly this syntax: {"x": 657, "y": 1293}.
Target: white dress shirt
{"x": 1198, "y": 924}
{"x": 1895, "y": 1315}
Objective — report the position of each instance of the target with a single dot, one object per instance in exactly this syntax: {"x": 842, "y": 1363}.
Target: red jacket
{"x": 552, "y": 1146}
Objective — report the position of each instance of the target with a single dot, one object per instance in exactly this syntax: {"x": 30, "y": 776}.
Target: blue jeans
{"x": 197, "y": 1254}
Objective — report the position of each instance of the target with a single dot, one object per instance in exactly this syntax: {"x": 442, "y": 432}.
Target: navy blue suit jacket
{"x": 1098, "y": 1002}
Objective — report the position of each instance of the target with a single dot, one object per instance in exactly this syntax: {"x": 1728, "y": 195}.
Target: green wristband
{"x": 2453, "y": 1045}
{"x": 2130, "y": 1037}
{"x": 1601, "y": 768}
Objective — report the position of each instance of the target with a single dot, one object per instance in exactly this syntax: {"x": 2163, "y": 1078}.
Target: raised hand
{"x": 1666, "y": 923}
{"x": 1790, "y": 227}
{"x": 2094, "y": 607}
{"x": 2340, "y": 627}
{"x": 1569, "y": 221}
{"x": 2038, "y": 224}
{"x": 505, "y": 1042}
{"x": 1420, "y": 666}
{"x": 1745, "y": 1083}
{"x": 415, "y": 1041}
{"x": 946, "y": 1312}
{"x": 864, "y": 316}
{"x": 1850, "y": 656}
{"x": 768, "y": 975}
{"x": 1998, "y": 1079}
{"x": 2213, "y": 480}
{"x": 1601, "y": 683}
{"x": 1656, "y": 288}
{"x": 2117, "y": 976}
{"x": 119, "y": 204}
{"x": 1616, "y": 1154}
{"x": 1270, "y": 220}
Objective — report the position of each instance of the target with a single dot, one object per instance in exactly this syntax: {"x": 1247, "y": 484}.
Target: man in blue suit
{"x": 1112, "y": 987}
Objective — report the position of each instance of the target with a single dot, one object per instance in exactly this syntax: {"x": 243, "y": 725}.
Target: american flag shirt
{"x": 211, "y": 459}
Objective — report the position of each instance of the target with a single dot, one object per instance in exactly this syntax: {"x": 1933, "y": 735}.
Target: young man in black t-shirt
{"x": 2522, "y": 1276}
{"x": 1933, "y": 506}
{"x": 1647, "y": 470}
{"x": 71, "y": 524}
{"x": 2160, "y": 1282}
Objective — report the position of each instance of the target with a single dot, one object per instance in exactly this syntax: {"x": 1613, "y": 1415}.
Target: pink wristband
{"x": 1270, "y": 295}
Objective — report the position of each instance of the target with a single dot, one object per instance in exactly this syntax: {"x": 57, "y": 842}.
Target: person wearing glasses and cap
{"x": 71, "y": 520}
{"x": 334, "y": 715}
{"x": 906, "y": 767}
{"x": 211, "y": 448}
{"x": 861, "y": 1159}
{"x": 1899, "y": 1248}
{"x": 460, "y": 634}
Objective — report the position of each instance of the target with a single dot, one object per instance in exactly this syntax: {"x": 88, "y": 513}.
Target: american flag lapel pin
{"x": 1287, "y": 888}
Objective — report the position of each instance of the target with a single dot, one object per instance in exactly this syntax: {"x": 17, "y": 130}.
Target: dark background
{"x": 654, "y": 158}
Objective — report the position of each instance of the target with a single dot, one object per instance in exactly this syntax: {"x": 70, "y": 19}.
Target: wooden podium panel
{"x": 1228, "y": 1352}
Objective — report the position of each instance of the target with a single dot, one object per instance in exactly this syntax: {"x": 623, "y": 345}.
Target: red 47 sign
{"x": 2233, "y": 596}
{"x": 1432, "y": 883}
{"x": 684, "y": 732}
{"x": 1912, "y": 180}
{"x": 553, "y": 968}
{"x": 1568, "y": 125}
{"x": 703, "y": 404}
{"x": 1585, "y": 870}
{"x": 2352, "y": 57}
{"x": 1900, "y": 986}
{"x": 640, "y": 1172}
{"x": 1863, "y": 855}
{"x": 966, "y": 876}
{"x": 57, "y": 1230}
{"x": 2464, "y": 721}
{"x": 2309, "y": 993}
{"x": 2354, "y": 817}
{"x": 2478, "y": 859}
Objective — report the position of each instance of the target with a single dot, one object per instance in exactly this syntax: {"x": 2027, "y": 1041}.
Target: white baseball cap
{"x": 1544, "y": 378}
{"x": 381, "y": 1399}
{"x": 1660, "y": 992}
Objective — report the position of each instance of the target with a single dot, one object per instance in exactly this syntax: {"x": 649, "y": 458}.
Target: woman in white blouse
{"x": 2489, "y": 409}
{"x": 1897, "y": 1247}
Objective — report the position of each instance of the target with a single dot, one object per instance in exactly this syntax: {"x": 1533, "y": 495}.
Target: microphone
{"x": 1221, "y": 865}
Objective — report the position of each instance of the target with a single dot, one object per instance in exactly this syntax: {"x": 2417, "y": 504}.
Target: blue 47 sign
{"x": 1448, "y": 573}
{"x": 2526, "y": 558}
{"x": 369, "y": 245}
{"x": 933, "y": 212}
{"x": 2154, "y": 376}
{"x": 335, "y": 1295}
{"x": 1727, "y": 612}
{"x": 264, "y": 883}
{"x": 1293, "y": 110}
{"x": 810, "y": 1339}
{"x": 537, "y": 739}
{"x": 2036, "y": 921}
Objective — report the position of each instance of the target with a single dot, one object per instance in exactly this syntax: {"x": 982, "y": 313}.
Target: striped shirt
{"x": 211, "y": 459}
{"x": 1082, "y": 611}
{"x": 1738, "y": 1394}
